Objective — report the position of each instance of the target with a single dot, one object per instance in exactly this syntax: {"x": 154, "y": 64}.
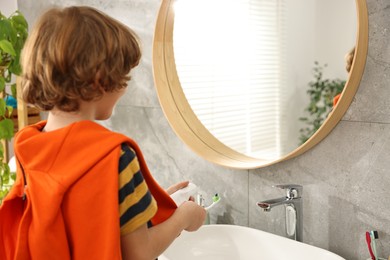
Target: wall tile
{"x": 345, "y": 182}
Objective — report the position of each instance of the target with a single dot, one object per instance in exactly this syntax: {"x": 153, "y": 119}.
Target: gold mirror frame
{"x": 192, "y": 132}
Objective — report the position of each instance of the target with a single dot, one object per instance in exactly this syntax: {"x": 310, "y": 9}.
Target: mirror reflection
{"x": 245, "y": 65}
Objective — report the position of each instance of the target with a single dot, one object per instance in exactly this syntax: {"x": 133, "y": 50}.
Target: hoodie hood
{"x": 77, "y": 147}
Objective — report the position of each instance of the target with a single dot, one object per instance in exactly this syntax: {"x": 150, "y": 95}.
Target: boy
{"x": 75, "y": 64}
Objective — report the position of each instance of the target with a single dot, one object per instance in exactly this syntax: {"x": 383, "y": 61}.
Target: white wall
{"x": 8, "y": 7}
{"x": 322, "y": 31}
{"x": 337, "y": 35}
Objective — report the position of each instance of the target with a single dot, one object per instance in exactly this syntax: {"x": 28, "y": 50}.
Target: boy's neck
{"x": 58, "y": 119}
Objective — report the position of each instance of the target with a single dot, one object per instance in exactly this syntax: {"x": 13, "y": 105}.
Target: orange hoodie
{"x": 71, "y": 206}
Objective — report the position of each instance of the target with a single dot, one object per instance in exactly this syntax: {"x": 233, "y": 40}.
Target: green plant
{"x": 321, "y": 92}
{"x": 13, "y": 34}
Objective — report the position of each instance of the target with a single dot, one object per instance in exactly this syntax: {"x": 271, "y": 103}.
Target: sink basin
{"x": 229, "y": 242}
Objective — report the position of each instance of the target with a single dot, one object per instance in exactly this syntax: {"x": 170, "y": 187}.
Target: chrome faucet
{"x": 293, "y": 209}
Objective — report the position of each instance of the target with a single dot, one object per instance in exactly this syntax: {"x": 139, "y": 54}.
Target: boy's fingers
{"x": 177, "y": 187}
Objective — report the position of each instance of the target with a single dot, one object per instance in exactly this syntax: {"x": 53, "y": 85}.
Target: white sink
{"x": 228, "y": 242}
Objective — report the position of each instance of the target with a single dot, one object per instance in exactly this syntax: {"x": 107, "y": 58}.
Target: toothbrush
{"x": 373, "y": 236}
{"x": 368, "y": 239}
{"x": 216, "y": 199}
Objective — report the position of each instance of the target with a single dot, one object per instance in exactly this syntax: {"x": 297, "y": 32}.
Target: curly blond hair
{"x": 349, "y": 59}
{"x": 74, "y": 54}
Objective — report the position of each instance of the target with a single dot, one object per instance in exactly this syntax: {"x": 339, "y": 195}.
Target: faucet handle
{"x": 293, "y": 190}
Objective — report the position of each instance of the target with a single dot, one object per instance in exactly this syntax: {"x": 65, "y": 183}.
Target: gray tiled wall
{"x": 346, "y": 177}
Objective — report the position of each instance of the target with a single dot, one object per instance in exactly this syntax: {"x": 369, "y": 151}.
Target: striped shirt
{"x": 136, "y": 204}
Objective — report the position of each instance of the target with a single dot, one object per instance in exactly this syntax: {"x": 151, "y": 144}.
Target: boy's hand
{"x": 193, "y": 215}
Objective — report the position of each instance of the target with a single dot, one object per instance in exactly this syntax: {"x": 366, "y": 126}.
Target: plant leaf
{"x": 2, "y": 108}
{"x": 7, "y": 47}
{"x": 2, "y": 84}
{"x": 321, "y": 92}
{"x": 15, "y": 67}
{"x": 18, "y": 20}
{"x": 5, "y": 28}
{"x": 6, "y": 129}
{"x": 1, "y": 152}
{"x": 9, "y": 109}
{"x": 13, "y": 90}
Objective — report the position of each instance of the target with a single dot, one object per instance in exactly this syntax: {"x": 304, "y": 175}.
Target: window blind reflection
{"x": 229, "y": 58}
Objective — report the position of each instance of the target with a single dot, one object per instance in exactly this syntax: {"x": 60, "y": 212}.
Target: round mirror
{"x": 238, "y": 79}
